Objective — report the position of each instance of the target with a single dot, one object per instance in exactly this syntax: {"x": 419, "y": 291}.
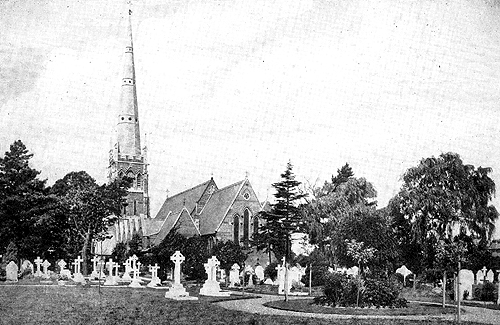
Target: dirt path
{"x": 255, "y": 306}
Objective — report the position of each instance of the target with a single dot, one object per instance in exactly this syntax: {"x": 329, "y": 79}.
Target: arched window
{"x": 246, "y": 226}
{"x": 255, "y": 225}
{"x": 139, "y": 181}
{"x": 135, "y": 207}
{"x": 236, "y": 229}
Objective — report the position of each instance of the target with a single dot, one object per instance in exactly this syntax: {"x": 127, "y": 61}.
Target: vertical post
{"x": 310, "y": 279}
{"x": 458, "y": 293}
{"x": 286, "y": 281}
{"x": 444, "y": 289}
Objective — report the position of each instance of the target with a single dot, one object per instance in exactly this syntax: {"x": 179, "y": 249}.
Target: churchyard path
{"x": 256, "y": 306}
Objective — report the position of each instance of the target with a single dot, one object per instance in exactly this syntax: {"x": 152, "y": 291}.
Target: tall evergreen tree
{"x": 284, "y": 217}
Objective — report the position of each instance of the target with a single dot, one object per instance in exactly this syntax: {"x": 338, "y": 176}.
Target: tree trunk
{"x": 444, "y": 289}
{"x": 414, "y": 281}
{"x": 86, "y": 244}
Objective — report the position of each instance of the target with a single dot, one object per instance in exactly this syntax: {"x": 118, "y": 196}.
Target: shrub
{"x": 487, "y": 292}
{"x": 270, "y": 271}
{"x": 342, "y": 290}
{"x": 320, "y": 274}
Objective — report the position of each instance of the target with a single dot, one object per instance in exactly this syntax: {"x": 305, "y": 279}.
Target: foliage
{"x": 10, "y": 254}
{"x": 119, "y": 253}
{"x": 342, "y": 290}
{"x": 229, "y": 253}
{"x": 28, "y": 214}
{"x": 161, "y": 253}
{"x": 319, "y": 275}
{"x": 359, "y": 253}
{"x": 270, "y": 271}
{"x": 486, "y": 292}
{"x": 195, "y": 250}
{"x": 283, "y": 219}
{"x": 135, "y": 245}
{"x": 438, "y": 198}
{"x": 90, "y": 208}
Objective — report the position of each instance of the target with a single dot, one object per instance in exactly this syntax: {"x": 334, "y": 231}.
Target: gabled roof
{"x": 169, "y": 223}
{"x": 188, "y": 199}
{"x": 217, "y": 207}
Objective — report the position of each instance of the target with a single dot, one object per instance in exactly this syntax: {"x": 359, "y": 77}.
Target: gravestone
{"x": 63, "y": 271}
{"x": 155, "y": 280}
{"x": 38, "y": 262}
{"x": 27, "y": 265}
{"x": 466, "y": 282}
{"x": 126, "y": 275}
{"x": 11, "y": 271}
{"x": 116, "y": 277}
{"x": 269, "y": 282}
{"x": 177, "y": 291}
{"x": 45, "y": 266}
{"x": 135, "y": 271}
{"x": 77, "y": 275}
{"x": 211, "y": 286}
{"x": 222, "y": 275}
{"x": 281, "y": 279}
{"x": 95, "y": 272}
{"x": 248, "y": 271}
{"x": 110, "y": 279}
{"x": 480, "y": 277}
{"x": 234, "y": 275}
{"x": 101, "y": 266}
{"x": 490, "y": 275}
{"x": 259, "y": 272}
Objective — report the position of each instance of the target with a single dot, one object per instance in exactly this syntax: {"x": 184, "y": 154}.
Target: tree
{"x": 28, "y": 214}
{"x": 284, "y": 217}
{"x": 341, "y": 203}
{"x": 442, "y": 199}
{"x": 229, "y": 253}
{"x": 90, "y": 208}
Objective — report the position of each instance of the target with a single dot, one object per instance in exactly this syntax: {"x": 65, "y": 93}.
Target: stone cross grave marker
{"x": 126, "y": 275}
{"x": 280, "y": 279}
{"x": 77, "y": 275}
{"x": 62, "y": 265}
{"x": 155, "y": 280}
{"x": 11, "y": 271}
{"x": 45, "y": 266}
{"x": 177, "y": 291}
{"x": 234, "y": 275}
{"x": 403, "y": 270}
{"x": 95, "y": 273}
{"x": 116, "y": 266}
{"x": 177, "y": 258}
{"x": 211, "y": 286}
{"x": 135, "y": 269}
{"x": 110, "y": 279}
{"x": 38, "y": 262}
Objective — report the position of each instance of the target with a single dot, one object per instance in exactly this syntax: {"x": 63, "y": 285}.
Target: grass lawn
{"x": 80, "y": 305}
{"x": 308, "y": 306}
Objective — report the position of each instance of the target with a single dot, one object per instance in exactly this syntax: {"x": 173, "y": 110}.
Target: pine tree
{"x": 284, "y": 217}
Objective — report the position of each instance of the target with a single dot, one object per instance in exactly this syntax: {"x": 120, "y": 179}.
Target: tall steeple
{"x": 127, "y": 157}
{"x": 128, "y": 133}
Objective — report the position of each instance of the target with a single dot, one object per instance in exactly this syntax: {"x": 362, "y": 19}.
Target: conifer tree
{"x": 284, "y": 217}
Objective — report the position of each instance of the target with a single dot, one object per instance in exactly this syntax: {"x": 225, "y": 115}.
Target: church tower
{"x": 127, "y": 158}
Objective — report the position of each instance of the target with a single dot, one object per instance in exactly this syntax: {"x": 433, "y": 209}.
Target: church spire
{"x": 129, "y": 142}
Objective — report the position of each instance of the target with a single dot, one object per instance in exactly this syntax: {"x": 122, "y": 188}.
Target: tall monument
{"x": 127, "y": 158}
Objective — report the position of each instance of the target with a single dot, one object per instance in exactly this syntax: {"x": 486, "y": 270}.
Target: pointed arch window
{"x": 246, "y": 226}
{"x": 236, "y": 229}
{"x": 135, "y": 207}
{"x": 255, "y": 225}
{"x": 139, "y": 181}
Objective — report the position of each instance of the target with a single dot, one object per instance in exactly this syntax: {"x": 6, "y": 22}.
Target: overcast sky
{"x": 229, "y": 87}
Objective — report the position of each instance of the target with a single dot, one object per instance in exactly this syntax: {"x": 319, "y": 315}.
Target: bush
{"x": 342, "y": 290}
{"x": 270, "y": 271}
{"x": 487, "y": 292}
{"x": 320, "y": 274}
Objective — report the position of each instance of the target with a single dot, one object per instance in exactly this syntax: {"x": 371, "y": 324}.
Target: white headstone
{"x": 155, "y": 280}
{"x": 27, "y": 265}
{"x": 269, "y": 281}
{"x": 234, "y": 275}
{"x": 490, "y": 275}
{"x": 45, "y": 266}
{"x": 11, "y": 271}
{"x": 403, "y": 270}
{"x": 480, "y": 277}
{"x": 466, "y": 282}
{"x": 135, "y": 271}
{"x": 281, "y": 279}
{"x": 126, "y": 275}
{"x": 110, "y": 279}
{"x": 211, "y": 286}
{"x": 177, "y": 291}
{"x": 77, "y": 275}
{"x": 95, "y": 272}
{"x": 38, "y": 262}
{"x": 259, "y": 272}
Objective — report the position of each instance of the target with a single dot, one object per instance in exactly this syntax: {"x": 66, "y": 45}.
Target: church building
{"x": 227, "y": 213}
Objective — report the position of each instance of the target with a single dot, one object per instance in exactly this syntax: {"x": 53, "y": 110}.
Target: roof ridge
{"x": 189, "y": 189}
{"x": 226, "y": 187}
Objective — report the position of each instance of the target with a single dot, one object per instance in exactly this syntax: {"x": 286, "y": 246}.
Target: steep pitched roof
{"x": 188, "y": 199}
{"x": 217, "y": 207}
{"x": 169, "y": 223}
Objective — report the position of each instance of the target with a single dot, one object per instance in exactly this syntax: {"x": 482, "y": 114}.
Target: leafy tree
{"x": 90, "y": 208}
{"x": 135, "y": 245}
{"x": 29, "y": 216}
{"x": 336, "y": 211}
{"x": 119, "y": 253}
{"x": 161, "y": 253}
{"x": 229, "y": 253}
{"x": 442, "y": 200}
{"x": 283, "y": 219}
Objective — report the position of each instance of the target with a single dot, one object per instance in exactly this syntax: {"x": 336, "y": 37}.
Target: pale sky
{"x": 229, "y": 87}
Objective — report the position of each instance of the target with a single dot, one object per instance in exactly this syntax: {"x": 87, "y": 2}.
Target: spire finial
{"x": 246, "y": 174}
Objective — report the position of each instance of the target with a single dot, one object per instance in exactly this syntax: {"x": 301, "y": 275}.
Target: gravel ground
{"x": 473, "y": 314}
